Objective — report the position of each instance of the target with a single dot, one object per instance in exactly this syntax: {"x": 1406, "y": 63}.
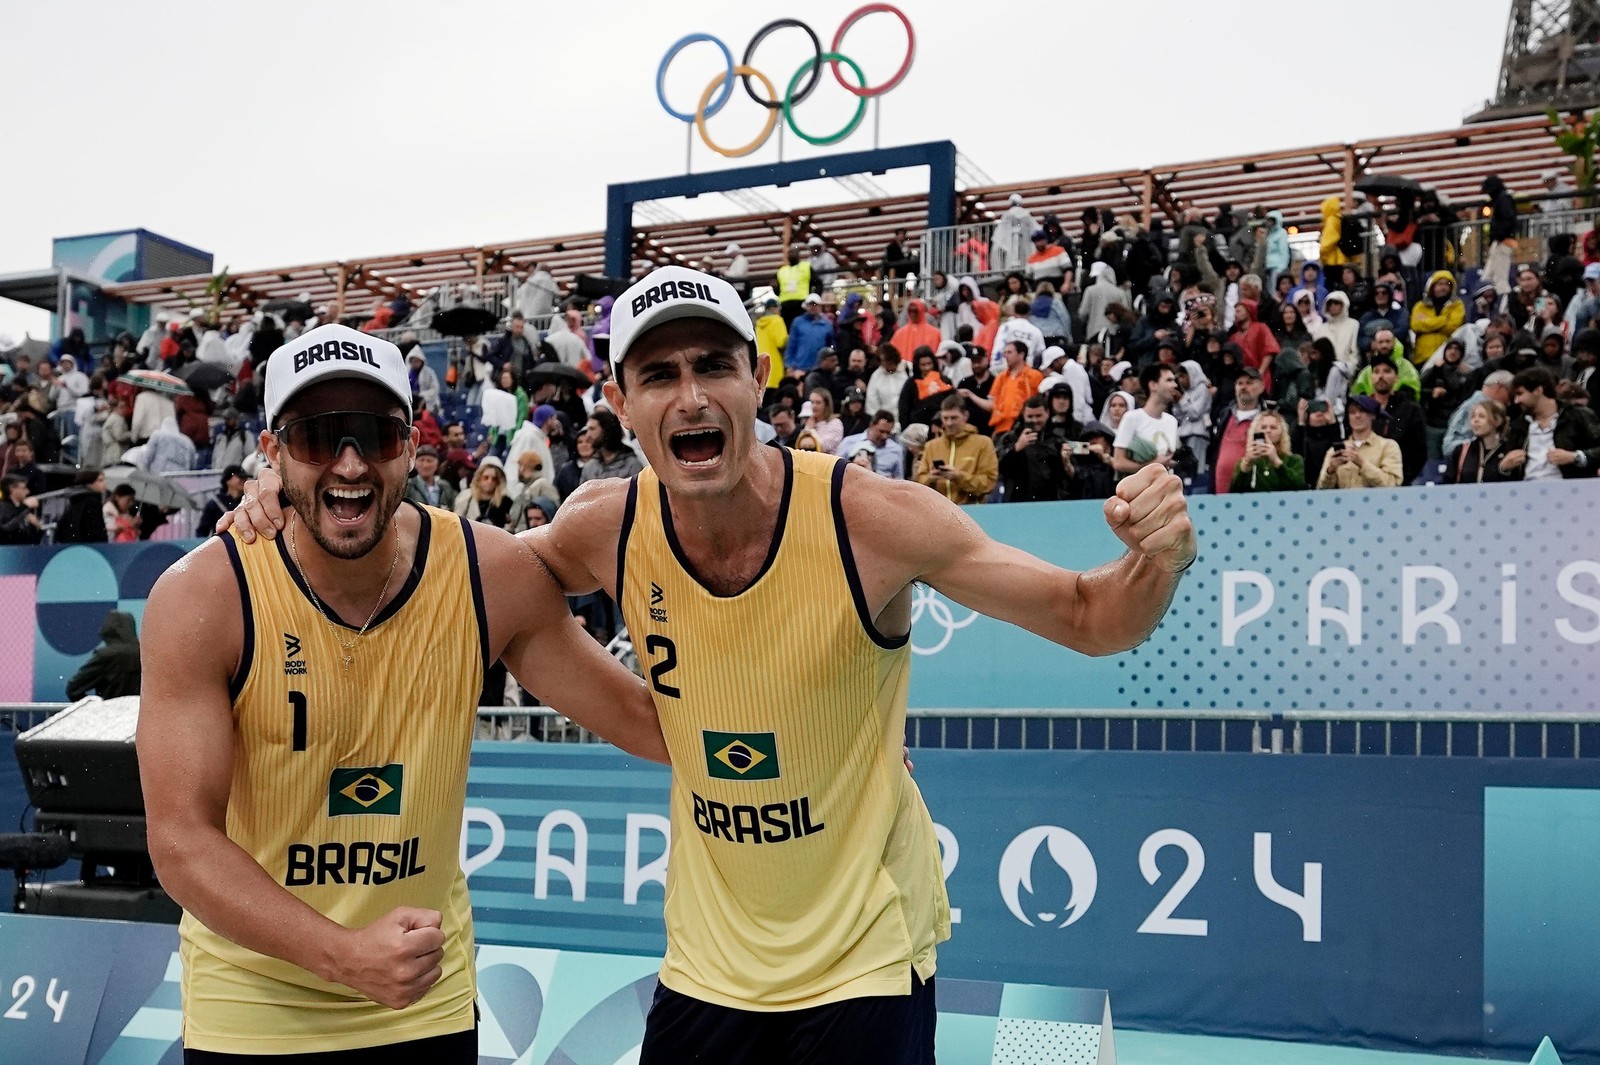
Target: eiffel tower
{"x": 1551, "y": 59}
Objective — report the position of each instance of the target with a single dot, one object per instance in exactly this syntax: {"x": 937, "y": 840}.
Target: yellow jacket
{"x": 771, "y": 336}
{"x": 1433, "y": 327}
{"x": 1331, "y": 255}
{"x": 971, "y": 455}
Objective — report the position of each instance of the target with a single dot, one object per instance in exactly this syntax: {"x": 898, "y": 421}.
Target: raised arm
{"x": 550, "y": 653}
{"x": 193, "y": 637}
{"x": 1103, "y": 611}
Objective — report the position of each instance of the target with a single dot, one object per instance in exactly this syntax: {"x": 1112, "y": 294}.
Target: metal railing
{"x": 1356, "y": 733}
{"x": 496, "y": 294}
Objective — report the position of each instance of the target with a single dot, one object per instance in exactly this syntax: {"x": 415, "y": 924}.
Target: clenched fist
{"x": 1150, "y": 515}
{"x": 395, "y": 959}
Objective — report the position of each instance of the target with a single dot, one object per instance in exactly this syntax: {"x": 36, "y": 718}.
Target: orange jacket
{"x": 915, "y": 333}
{"x": 988, "y": 312}
{"x": 1009, "y": 393}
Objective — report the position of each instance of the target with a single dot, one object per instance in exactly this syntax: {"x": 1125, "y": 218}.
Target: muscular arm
{"x": 550, "y": 654}
{"x": 1106, "y": 610}
{"x": 193, "y": 635}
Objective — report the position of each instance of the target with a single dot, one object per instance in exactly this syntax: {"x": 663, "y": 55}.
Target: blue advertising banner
{"x": 1439, "y": 904}
{"x": 109, "y": 993}
{"x": 1440, "y": 599}
{"x": 1425, "y": 599}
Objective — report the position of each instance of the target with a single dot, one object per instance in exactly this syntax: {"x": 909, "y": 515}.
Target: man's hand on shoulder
{"x": 258, "y": 512}
{"x": 1149, "y": 514}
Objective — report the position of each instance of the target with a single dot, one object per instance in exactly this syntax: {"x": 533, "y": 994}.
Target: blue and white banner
{"x": 1413, "y": 903}
{"x": 1471, "y": 600}
{"x": 1466, "y": 600}
{"x": 108, "y": 993}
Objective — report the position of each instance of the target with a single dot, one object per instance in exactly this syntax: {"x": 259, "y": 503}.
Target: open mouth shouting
{"x": 348, "y": 504}
{"x": 697, "y": 448}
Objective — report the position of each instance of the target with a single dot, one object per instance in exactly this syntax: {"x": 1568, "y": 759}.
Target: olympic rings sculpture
{"x": 718, "y": 92}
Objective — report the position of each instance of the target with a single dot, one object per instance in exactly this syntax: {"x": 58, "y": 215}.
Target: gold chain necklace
{"x": 349, "y": 648}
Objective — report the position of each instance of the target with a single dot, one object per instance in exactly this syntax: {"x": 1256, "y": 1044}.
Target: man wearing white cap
{"x": 805, "y": 899}
{"x": 308, "y": 708}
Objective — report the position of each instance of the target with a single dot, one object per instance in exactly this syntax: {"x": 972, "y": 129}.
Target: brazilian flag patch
{"x": 741, "y": 755}
{"x": 368, "y": 790}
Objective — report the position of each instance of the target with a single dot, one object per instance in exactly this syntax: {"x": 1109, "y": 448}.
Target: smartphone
{"x": 938, "y": 464}
{"x": 1260, "y": 438}
{"x": 1078, "y": 447}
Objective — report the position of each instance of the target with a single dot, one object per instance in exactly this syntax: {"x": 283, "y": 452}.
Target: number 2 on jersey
{"x": 668, "y": 663}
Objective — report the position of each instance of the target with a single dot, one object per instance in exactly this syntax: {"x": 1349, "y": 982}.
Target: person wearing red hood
{"x": 916, "y": 333}
{"x": 988, "y": 312}
{"x": 1254, "y": 338}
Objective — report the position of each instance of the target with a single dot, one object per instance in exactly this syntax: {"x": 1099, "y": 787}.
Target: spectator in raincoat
{"x": 1332, "y": 224}
{"x": 1436, "y": 316}
{"x": 1279, "y": 255}
{"x": 1254, "y": 338}
{"x": 917, "y": 332}
{"x": 1341, "y": 330}
{"x": 1013, "y": 237}
{"x": 1050, "y": 315}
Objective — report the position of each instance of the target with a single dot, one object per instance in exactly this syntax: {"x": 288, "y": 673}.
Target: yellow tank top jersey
{"x": 348, "y": 788}
{"x": 804, "y": 867}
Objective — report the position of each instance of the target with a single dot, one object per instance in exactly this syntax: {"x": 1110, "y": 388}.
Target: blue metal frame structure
{"x": 938, "y": 156}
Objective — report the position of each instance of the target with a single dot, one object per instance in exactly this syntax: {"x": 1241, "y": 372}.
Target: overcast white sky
{"x": 303, "y": 130}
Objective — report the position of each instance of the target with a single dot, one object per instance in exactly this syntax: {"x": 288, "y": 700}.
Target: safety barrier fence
{"x": 1370, "y": 733}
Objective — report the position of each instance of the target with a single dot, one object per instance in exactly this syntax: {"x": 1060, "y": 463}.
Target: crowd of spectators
{"x": 1215, "y": 350}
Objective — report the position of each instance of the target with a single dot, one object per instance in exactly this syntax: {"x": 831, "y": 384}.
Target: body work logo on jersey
{"x": 369, "y": 790}
{"x": 658, "y": 612}
{"x": 741, "y": 755}
{"x": 293, "y": 664}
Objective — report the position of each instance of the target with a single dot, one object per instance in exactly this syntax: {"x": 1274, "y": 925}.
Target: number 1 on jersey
{"x": 668, "y": 663}
{"x": 297, "y": 704}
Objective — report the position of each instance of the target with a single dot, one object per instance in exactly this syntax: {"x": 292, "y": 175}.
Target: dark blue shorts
{"x": 880, "y": 1030}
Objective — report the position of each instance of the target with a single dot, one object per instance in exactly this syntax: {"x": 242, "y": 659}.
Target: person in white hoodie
{"x": 570, "y": 348}
{"x": 1013, "y": 237}
{"x": 536, "y": 297}
{"x": 1341, "y": 330}
{"x": 883, "y": 387}
{"x": 1193, "y": 411}
{"x": 941, "y": 289}
{"x": 738, "y": 269}
{"x": 1103, "y": 293}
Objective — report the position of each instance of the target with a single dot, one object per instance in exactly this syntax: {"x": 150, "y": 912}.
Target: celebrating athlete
{"x": 305, "y": 723}
{"x": 769, "y": 594}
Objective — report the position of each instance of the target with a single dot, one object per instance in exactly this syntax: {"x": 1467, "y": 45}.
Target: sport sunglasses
{"x": 318, "y": 439}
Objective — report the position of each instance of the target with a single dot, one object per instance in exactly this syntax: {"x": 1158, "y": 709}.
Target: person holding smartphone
{"x": 1269, "y": 465}
{"x": 1365, "y": 459}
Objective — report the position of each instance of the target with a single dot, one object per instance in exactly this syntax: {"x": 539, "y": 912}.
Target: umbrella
{"x": 1387, "y": 185}
{"x": 151, "y": 488}
{"x": 204, "y": 376}
{"x": 33, "y": 349}
{"x": 157, "y": 381}
{"x": 289, "y": 310}
{"x": 559, "y": 373}
{"x": 464, "y": 321}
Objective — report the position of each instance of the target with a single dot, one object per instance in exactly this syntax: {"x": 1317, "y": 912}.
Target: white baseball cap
{"x": 667, "y": 294}
{"x": 329, "y": 353}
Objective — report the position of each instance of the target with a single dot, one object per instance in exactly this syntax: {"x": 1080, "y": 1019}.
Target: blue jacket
{"x": 807, "y": 337}
{"x": 1279, "y": 253}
